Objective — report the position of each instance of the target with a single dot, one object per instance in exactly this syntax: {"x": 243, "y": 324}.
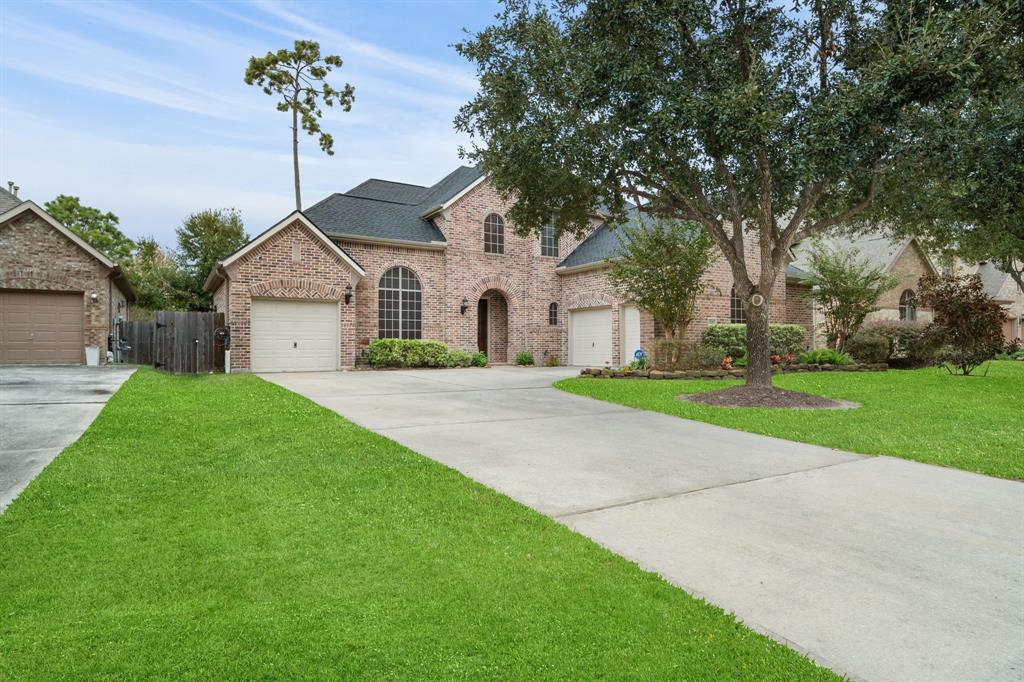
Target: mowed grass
{"x": 223, "y": 528}
{"x": 974, "y": 423}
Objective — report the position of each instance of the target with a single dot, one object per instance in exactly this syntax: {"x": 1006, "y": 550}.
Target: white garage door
{"x": 630, "y": 327}
{"x": 590, "y": 337}
{"x": 294, "y": 336}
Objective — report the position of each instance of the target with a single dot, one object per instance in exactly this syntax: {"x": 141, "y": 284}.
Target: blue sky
{"x": 140, "y": 108}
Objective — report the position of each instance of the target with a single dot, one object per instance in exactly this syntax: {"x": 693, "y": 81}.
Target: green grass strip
{"x": 223, "y": 528}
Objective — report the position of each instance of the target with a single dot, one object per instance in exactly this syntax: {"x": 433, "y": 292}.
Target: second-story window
{"x": 494, "y": 234}
{"x": 548, "y": 241}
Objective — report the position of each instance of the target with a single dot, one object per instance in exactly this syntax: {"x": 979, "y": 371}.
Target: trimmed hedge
{"x": 869, "y": 347}
{"x": 911, "y": 344}
{"x": 732, "y": 338}
{"x": 676, "y": 354}
{"x": 407, "y": 353}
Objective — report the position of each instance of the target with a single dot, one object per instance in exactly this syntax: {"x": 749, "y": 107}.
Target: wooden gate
{"x": 177, "y": 342}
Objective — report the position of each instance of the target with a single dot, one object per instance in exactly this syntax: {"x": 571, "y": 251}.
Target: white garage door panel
{"x": 591, "y": 336}
{"x": 630, "y": 326}
{"x": 294, "y": 336}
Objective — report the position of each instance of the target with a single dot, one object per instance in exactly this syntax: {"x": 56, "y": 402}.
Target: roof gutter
{"x": 216, "y": 276}
{"x": 362, "y": 239}
{"x": 585, "y": 267}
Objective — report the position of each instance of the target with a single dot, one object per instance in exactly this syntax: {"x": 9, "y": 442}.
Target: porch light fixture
{"x": 94, "y": 297}
{"x": 348, "y": 293}
{"x": 464, "y": 307}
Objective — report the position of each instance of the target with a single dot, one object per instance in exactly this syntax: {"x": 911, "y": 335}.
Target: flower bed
{"x": 598, "y": 373}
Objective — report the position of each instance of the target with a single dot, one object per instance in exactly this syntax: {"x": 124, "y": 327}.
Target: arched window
{"x": 494, "y": 234}
{"x": 553, "y": 314}
{"x": 548, "y": 241}
{"x": 908, "y": 305}
{"x": 399, "y": 305}
{"x": 737, "y": 311}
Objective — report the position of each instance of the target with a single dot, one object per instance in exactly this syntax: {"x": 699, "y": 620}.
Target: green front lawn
{"x": 223, "y": 528}
{"x": 974, "y": 423}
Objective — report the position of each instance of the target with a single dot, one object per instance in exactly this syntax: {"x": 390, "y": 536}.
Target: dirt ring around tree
{"x": 763, "y": 396}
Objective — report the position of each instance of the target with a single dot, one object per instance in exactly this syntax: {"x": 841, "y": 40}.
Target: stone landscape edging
{"x": 737, "y": 373}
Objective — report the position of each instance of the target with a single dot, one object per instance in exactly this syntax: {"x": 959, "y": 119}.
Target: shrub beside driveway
{"x": 972, "y": 423}
{"x": 222, "y": 528}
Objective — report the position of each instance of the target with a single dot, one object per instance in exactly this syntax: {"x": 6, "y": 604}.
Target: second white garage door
{"x": 294, "y": 336}
{"x": 590, "y": 337}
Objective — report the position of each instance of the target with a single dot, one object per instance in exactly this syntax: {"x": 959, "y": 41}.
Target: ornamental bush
{"x": 824, "y": 356}
{"x": 732, "y": 338}
{"x": 386, "y": 353}
{"x": 479, "y": 359}
{"x": 458, "y": 358}
{"x": 524, "y": 358}
{"x": 968, "y": 321}
{"x": 868, "y": 347}
{"x": 673, "y": 355}
{"x": 911, "y": 344}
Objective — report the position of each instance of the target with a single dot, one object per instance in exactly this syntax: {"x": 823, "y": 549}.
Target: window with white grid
{"x": 494, "y": 234}
{"x": 400, "y": 305}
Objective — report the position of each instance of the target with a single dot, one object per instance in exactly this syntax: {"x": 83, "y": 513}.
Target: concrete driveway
{"x": 880, "y": 568}
{"x": 42, "y": 411}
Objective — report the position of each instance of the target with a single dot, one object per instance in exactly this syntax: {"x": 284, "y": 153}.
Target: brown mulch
{"x": 764, "y": 396}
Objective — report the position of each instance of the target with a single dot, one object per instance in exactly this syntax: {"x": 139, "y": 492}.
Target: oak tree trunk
{"x": 295, "y": 156}
{"x": 759, "y": 364}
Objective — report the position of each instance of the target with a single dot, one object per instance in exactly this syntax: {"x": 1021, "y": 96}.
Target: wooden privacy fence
{"x": 180, "y": 343}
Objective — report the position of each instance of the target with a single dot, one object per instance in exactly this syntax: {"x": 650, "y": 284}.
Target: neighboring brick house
{"x": 904, "y": 258}
{"x": 388, "y": 259}
{"x": 1000, "y": 286}
{"x": 58, "y": 295}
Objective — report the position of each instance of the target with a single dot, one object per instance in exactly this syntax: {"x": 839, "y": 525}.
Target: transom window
{"x": 494, "y": 234}
{"x": 908, "y": 306}
{"x": 553, "y": 314}
{"x": 737, "y": 311}
{"x": 400, "y": 305}
{"x": 548, "y": 241}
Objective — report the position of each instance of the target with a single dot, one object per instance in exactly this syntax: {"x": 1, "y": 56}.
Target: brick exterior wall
{"x": 799, "y": 309}
{"x": 270, "y": 271}
{"x": 909, "y": 267}
{"x": 36, "y": 256}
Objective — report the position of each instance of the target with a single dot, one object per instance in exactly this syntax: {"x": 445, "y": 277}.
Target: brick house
{"x": 1000, "y": 286}
{"x": 58, "y": 295}
{"x": 388, "y": 259}
{"x": 904, "y": 258}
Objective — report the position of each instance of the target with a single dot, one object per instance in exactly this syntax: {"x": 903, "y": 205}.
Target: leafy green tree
{"x": 846, "y": 289}
{"x": 967, "y": 320}
{"x": 99, "y": 229}
{"x": 662, "y": 270}
{"x": 159, "y": 282}
{"x": 298, "y": 78}
{"x": 205, "y": 238}
{"x": 765, "y": 122}
{"x": 963, "y": 192}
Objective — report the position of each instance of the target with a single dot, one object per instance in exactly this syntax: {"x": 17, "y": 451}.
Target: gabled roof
{"x": 7, "y": 200}
{"x": 217, "y": 273}
{"x": 382, "y": 210}
{"x": 26, "y": 206}
{"x": 993, "y": 280}
{"x": 877, "y": 249}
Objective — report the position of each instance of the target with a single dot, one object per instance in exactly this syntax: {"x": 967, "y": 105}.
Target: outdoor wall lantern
{"x": 348, "y": 293}
{"x": 94, "y": 297}
{"x": 464, "y": 307}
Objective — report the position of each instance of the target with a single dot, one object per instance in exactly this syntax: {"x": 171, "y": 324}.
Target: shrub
{"x": 675, "y": 354}
{"x": 969, "y": 321}
{"x": 459, "y": 358}
{"x": 868, "y": 347}
{"x": 407, "y": 353}
{"x": 740, "y": 362}
{"x": 824, "y": 356}
{"x": 732, "y": 338}
{"x": 552, "y": 361}
{"x": 524, "y": 358}
{"x": 911, "y": 344}
{"x": 479, "y": 359}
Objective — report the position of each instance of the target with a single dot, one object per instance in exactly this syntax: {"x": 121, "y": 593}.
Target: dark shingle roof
{"x": 7, "y": 201}
{"x": 604, "y": 243}
{"x": 381, "y": 209}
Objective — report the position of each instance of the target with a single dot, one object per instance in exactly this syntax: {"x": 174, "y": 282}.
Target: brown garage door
{"x": 40, "y": 328}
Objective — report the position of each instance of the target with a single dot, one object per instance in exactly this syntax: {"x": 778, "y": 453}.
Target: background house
{"x": 1000, "y": 286}
{"x": 58, "y": 295}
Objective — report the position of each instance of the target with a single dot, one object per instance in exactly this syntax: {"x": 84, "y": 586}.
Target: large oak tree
{"x": 766, "y": 122}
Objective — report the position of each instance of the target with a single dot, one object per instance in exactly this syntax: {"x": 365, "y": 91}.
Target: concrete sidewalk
{"x": 880, "y": 568}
